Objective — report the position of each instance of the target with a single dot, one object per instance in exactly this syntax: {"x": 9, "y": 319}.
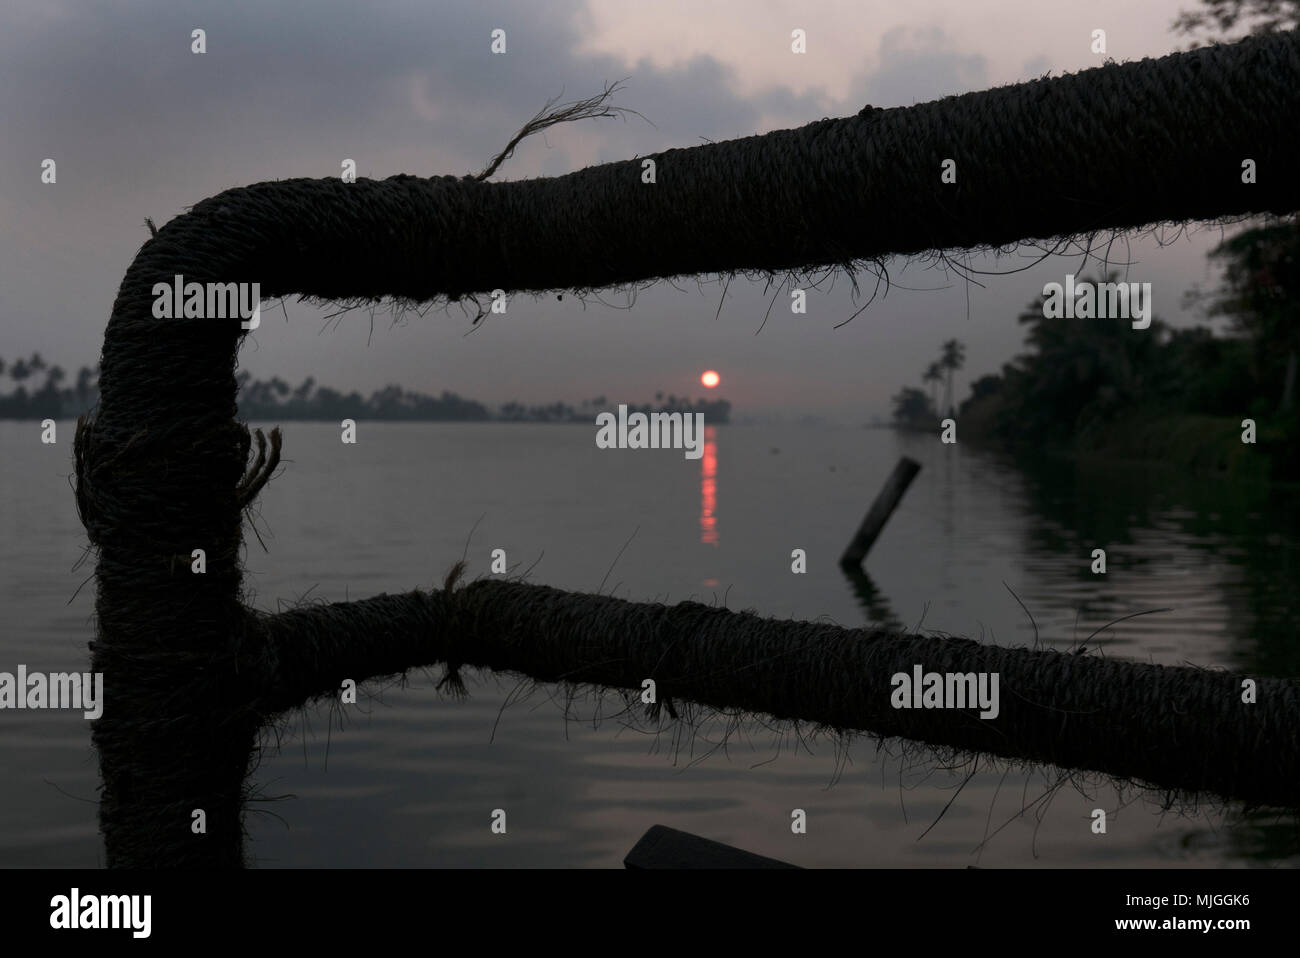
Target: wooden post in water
{"x": 881, "y": 510}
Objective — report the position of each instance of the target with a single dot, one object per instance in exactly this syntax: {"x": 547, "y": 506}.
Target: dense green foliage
{"x": 1083, "y": 373}
{"x": 1178, "y": 395}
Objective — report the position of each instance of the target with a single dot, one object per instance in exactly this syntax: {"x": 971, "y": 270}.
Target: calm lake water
{"x": 409, "y": 777}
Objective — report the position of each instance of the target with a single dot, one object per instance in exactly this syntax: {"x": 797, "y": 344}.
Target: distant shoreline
{"x": 72, "y": 417}
{"x": 279, "y": 401}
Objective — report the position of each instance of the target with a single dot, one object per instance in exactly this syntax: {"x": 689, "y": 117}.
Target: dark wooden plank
{"x": 664, "y": 847}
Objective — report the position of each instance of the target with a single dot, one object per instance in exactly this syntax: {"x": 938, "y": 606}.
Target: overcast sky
{"x": 140, "y": 126}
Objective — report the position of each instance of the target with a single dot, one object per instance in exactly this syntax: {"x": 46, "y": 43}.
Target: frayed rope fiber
{"x": 1178, "y": 729}
{"x": 162, "y": 463}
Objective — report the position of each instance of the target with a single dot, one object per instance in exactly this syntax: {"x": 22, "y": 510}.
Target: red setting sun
{"x": 710, "y": 379}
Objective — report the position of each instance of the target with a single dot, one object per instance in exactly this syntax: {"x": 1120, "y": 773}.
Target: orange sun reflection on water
{"x": 709, "y": 488}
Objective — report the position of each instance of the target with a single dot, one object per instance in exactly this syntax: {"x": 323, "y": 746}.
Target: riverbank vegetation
{"x": 1099, "y": 387}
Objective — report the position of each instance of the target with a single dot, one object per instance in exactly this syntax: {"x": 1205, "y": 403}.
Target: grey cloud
{"x": 920, "y": 65}
{"x": 141, "y": 126}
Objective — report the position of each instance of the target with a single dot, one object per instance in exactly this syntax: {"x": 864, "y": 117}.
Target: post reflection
{"x": 709, "y": 488}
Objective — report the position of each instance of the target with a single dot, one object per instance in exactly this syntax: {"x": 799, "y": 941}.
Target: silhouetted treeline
{"x": 1180, "y": 395}
{"x": 276, "y": 400}
{"x": 1177, "y": 394}
{"x": 42, "y": 391}
{"x": 1082, "y": 373}
{"x": 715, "y": 410}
